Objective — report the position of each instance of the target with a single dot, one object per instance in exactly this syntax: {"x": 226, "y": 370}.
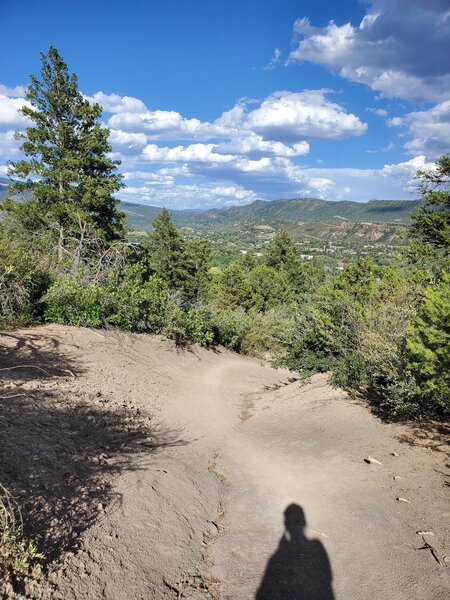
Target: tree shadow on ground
{"x": 33, "y": 357}
{"x": 59, "y": 453}
{"x": 431, "y": 434}
{"x": 300, "y": 568}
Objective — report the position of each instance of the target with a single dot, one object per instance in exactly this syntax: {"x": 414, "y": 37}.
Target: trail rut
{"x": 262, "y": 492}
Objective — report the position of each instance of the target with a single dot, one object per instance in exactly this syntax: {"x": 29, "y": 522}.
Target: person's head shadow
{"x": 299, "y": 569}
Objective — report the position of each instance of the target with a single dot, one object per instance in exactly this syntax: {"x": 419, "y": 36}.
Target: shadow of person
{"x": 299, "y": 569}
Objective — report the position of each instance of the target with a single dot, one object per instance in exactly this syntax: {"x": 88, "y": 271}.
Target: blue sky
{"x": 213, "y": 103}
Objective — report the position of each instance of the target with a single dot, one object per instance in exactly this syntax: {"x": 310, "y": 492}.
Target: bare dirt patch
{"x": 144, "y": 471}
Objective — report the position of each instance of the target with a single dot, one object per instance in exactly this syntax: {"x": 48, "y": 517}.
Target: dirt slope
{"x": 148, "y": 472}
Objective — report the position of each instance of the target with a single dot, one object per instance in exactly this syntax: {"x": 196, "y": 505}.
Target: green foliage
{"x": 305, "y": 345}
{"x": 71, "y": 303}
{"x": 228, "y": 289}
{"x": 195, "y": 325}
{"x": 232, "y": 327}
{"x": 66, "y": 154}
{"x": 282, "y": 251}
{"x": 428, "y": 345}
{"x": 432, "y": 220}
{"x": 282, "y": 255}
{"x": 132, "y": 303}
{"x": 23, "y": 278}
{"x": 265, "y": 288}
{"x": 197, "y": 260}
{"x": 265, "y": 332}
{"x": 349, "y": 371}
{"x": 165, "y": 249}
{"x": 137, "y": 303}
{"x": 18, "y": 556}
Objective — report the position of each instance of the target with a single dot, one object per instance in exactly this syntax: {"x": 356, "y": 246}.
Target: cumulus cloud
{"x": 294, "y": 116}
{"x": 430, "y": 130}
{"x": 127, "y": 142}
{"x": 9, "y": 116}
{"x": 250, "y": 151}
{"x": 400, "y": 48}
{"x": 113, "y": 103}
{"x": 189, "y": 195}
{"x": 254, "y": 145}
{"x": 9, "y": 146}
{"x": 15, "y": 92}
{"x": 287, "y": 117}
{"x": 165, "y": 125}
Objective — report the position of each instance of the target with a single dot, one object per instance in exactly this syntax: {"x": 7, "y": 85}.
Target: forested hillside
{"x": 282, "y": 211}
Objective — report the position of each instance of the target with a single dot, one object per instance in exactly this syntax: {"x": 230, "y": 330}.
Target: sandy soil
{"x": 149, "y": 472}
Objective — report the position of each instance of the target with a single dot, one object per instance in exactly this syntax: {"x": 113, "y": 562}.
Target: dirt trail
{"x": 232, "y": 480}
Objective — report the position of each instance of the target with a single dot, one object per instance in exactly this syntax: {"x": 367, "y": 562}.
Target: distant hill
{"x": 281, "y": 211}
{"x": 381, "y": 221}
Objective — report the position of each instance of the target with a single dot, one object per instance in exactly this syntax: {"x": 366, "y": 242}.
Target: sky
{"x": 214, "y": 103}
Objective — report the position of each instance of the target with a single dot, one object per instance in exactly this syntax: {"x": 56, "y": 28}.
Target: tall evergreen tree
{"x": 281, "y": 253}
{"x": 165, "y": 248}
{"x": 432, "y": 221}
{"x": 67, "y": 168}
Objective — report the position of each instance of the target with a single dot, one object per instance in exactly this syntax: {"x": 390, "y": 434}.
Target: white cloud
{"x": 15, "y": 92}
{"x": 192, "y": 153}
{"x": 395, "y": 122}
{"x": 9, "y": 116}
{"x": 167, "y": 125}
{"x": 273, "y": 61}
{"x": 113, "y": 103}
{"x": 288, "y": 117}
{"x": 189, "y": 196}
{"x": 294, "y": 116}
{"x": 254, "y": 145}
{"x": 381, "y": 112}
{"x": 127, "y": 142}
{"x": 430, "y": 130}
{"x": 9, "y": 146}
{"x": 403, "y": 173}
{"x": 413, "y": 35}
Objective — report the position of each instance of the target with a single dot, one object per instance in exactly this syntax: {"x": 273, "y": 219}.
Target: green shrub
{"x": 306, "y": 344}
{"x": 232, "y": 327}
{"x": 200, "y": 326}
{"x": 22, "y": 281}
{"x": 428, "y": 346}
{"x": 263, "y": 338}
{"x": 349, "y": 371}
{"x": 137, "y": 304}
{"x": 71, "y": 303}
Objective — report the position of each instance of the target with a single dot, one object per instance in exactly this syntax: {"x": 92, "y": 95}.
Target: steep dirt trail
{"x": 300, "y": 457}
{"x": 204, "y": 475}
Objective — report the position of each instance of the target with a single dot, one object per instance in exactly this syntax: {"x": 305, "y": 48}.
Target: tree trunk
{"x": 79, "y": 250}
{"x": 61, "y": 226}
{"x": 61, "y": 242}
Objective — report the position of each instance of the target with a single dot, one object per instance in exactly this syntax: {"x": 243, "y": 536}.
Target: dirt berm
{"x": 147, "y": 472}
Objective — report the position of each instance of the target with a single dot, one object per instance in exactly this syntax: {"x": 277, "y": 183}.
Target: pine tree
{"x": 165, "y": 248}
{"x": 282, "y": 252}
{"x": 432, "y": 221}
{"x": 67, "y": 170}
{"x": 428, "y": 345}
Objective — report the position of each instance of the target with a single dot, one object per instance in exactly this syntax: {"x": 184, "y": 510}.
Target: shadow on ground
{"x": 60, "y": 451}
{"x": 300, "y": 568}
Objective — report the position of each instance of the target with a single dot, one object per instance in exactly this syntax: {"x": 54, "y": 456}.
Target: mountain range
{"x": 306, "y": 218}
